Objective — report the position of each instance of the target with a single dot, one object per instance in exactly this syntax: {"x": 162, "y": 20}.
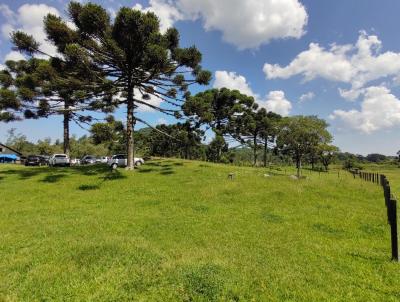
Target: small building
{"x": 8, "y": 154}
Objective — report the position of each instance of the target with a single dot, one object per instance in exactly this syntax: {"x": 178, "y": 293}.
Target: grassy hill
{"x": 182, "y": 231}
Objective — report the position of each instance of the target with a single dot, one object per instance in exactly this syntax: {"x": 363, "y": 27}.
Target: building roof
{"x": 13, "y": 150}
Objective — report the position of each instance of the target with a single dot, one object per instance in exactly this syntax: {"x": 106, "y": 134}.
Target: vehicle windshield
{"x": 60, "y": 156}
{"x": 32, "y": 157}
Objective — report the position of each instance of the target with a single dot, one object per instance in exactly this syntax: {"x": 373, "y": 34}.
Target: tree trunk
{"x": 67, "y": 116}
{"x": 298, "y": 164}
{"x": 265, "y": 153}
{"x": 130, "y": 124}
{"x": 255, "y": 150}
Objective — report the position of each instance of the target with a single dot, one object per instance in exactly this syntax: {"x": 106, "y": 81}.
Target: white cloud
{"x": 306, "y": 97}
{"x": 275, "y": 100}
{"x": 29, "y": 18}
{"x": 356, "y": 65}
{"x": 379, "y": 110}
{"x": 165, "y": 10}
{"x": 6, "y": 30}
{"x": 154, "y": 101}
{"x": 246, "y": 24}
{"x": 14, "y": 56}
{"x": 232, "y": 81}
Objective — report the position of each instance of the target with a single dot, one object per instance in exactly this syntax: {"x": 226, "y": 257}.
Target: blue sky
{"x": 339, "y": 59}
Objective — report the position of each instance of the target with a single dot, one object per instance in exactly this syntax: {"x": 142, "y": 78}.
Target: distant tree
{"x": 250, "y": 124}
{"x": 111, "y": 134}
{"x": 255, "y": 128}
{"x": 326, "y": 154}
{"x": 218, "y": 109}
{"x": 44, "y": 147}
{"x": 269, "y": 131}
{"x": 20, "y": 142}
{"x": 182, "y": 140}
{"x": 299, "y": 134}
{"x": 216, "y": 149}
{"x": 375, "y": 157}
{"x": 130, "y": 51}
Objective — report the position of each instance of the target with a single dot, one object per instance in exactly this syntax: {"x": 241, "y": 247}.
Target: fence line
{"x": 390, "y": 203}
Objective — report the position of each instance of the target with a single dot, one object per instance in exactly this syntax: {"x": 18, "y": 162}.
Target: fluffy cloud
{"x": 154, "y": 101}
{"x": 246, "y": 24}
{"x": 165, "y": 10}
{"x": 275, "y": 100}
{"x": 29, "y": 18}
{"x": 306, "y": 97}
{"x": 379, "y": 110}
{"x": 233, "y": 81}
{"x": 356, "y": 65}
{"x": 14, "y": 56}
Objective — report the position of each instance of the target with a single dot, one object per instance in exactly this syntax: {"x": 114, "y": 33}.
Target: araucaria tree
{"x": 300, "y": 134}
{"x": 57, "y": 86}
{"x": 256, "y": 127}
{"x": 142, "y": 63}
{"x": 218, "y": 109}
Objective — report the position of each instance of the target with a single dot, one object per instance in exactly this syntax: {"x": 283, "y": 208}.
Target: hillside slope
{"x": 182, "y": 231}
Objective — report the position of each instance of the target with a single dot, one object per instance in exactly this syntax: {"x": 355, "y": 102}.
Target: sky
{"x": 339, "y": 60}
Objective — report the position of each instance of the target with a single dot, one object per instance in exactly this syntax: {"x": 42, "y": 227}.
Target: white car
{"x": 75, "y": 161}
{"x": 120, "y": 160}
{"x": 59, "y": 160}
{"x": 103, "y": 159}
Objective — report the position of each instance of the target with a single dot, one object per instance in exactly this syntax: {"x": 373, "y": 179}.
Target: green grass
{"x": 182, "y": 231}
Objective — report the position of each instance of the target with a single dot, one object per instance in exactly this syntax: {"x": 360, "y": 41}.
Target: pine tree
{"x": 130, "y": 51}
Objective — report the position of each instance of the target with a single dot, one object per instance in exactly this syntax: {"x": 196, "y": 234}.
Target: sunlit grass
{"x": 182, "y": 231}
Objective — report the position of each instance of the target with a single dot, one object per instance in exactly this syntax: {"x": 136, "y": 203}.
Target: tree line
{"x": 103, "y": 64}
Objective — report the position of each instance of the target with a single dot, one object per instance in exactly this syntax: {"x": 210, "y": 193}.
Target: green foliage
{"x": 178, "y": 140}
{"x": 217, "y": 108}
{"x": 132, "y": 52}
{"x": 216, "y": 149}
{"x": 300, "y": 135}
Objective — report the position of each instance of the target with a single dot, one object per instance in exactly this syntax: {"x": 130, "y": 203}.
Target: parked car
{"x": 88, "y": 160}
{"x": 121, "y": 160}
{"x": 46, "y": 159}
{"x": 59, "y": 160}
{"x": 35, "y": 160}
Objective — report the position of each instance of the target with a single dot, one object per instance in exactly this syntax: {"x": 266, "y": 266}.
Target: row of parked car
{"x": 118, "y": 160}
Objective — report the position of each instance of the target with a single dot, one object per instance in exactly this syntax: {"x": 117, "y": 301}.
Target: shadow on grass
{"x": 26, "y": 174}
{"x": 167, "y": 172}
{"x": 364, "y": 257}
{"x": 146, "y": 170}
{"x": 88, "y": 187}
{"x": 112, "y": 175}
{"x": 52, "y": 178}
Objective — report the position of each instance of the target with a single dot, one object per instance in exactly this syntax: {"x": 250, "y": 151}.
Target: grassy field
{"x": 182, "y": 231}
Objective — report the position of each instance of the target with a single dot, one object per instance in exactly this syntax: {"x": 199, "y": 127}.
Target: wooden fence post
{"x": 393, "y": 228}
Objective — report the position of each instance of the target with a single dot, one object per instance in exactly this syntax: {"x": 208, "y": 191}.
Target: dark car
{"x": 35, "y": 160}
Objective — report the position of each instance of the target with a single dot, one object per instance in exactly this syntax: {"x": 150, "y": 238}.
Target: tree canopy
{"x": 141, "y": 63}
